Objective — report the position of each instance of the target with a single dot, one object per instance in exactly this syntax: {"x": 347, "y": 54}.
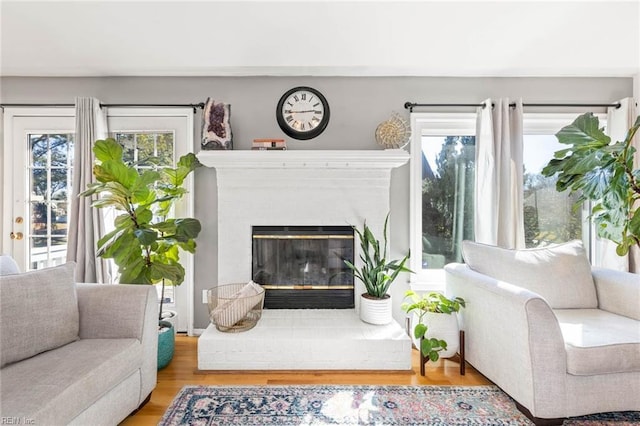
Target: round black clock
{"x": 302, "y": 113}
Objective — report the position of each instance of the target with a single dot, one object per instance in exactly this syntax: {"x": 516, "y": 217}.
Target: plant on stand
{"x": 145, "y": 243}
{"x": 428, "y": 311}
{"x": 377, "y": 274}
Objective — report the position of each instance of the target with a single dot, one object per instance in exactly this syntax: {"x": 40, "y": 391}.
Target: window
{"x": 549, "y": 216}
{"x": 49, "y": 167}
{"x": 442, "y": 190}
{"x": 447, "y": 202}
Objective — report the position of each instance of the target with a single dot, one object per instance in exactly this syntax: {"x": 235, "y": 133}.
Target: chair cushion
{"x": 561, "y": 273}
{"x": 599, "y": 342}
{"x": 8, "y": 266}
{"x": 38, "y": 312}
{"x": 56, "y": 386}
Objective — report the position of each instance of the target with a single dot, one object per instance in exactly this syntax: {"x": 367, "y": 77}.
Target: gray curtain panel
{"x": 86, "y": 224}
{"x": 499, "y": 164}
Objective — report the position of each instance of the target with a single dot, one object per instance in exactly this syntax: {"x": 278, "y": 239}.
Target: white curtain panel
{"x": 618, "y": 122}
{"x": 499, "y": 174}
{"x": 86, "y": 224}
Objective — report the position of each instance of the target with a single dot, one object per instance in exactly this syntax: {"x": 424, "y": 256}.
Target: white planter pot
{"x": 442, "y": 327}
{"x": 376, "y": 311}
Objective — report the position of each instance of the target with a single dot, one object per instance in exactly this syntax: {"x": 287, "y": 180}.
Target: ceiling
{"x": 330, "y": 37}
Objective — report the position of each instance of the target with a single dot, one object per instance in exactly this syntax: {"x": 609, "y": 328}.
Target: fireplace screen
{"x": 303, "y": 266}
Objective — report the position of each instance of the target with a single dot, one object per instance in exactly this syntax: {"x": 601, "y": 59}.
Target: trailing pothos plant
{"x": 145, "y": 242}
{"x": 430, "y": 302}
{"x": 376, "y": 273}
{"x": 601, "y": 171}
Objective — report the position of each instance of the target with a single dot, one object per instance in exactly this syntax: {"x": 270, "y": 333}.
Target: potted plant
{"x": 145, "y": 243}
{"x": 601, "y": 171}
{"x": 432, "y": 329}
{"x": 377, "y": 274}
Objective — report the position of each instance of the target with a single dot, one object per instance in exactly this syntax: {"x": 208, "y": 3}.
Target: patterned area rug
{"x": 356, "y": 405}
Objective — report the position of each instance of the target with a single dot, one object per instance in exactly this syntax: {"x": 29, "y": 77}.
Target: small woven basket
{"x": 232, "y": 313}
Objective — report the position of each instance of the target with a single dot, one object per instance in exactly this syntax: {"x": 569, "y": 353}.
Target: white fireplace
{"x": 295, "y": 188}
{"x": 299, "y": 188}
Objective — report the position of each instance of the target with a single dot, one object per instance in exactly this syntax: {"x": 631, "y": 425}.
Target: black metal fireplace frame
{"x": 299, "y": 295}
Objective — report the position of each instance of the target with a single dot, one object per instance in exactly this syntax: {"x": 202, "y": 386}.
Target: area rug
{"x": 355, "y": 405}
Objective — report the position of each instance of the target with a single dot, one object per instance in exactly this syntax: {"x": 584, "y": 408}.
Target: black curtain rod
{"x": 411, "y": 105}
{"x": 194, "y": 106}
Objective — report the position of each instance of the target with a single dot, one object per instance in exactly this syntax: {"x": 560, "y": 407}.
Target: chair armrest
{"x": 618, "y": 292}
{"x": 512, "y": 337}
{"x": 116, "y": 311}
{"x": 123, "y": 311}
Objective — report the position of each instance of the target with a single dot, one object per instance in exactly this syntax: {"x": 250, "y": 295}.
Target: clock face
{"x": 302, "y": 113}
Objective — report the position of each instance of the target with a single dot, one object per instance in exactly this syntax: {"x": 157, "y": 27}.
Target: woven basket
{"x": 232, "y": 313}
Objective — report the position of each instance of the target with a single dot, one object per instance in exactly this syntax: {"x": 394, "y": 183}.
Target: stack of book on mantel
{"x": 269, "y": 144}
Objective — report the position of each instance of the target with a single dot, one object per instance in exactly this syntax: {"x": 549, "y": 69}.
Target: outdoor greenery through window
{"x": 50, "y": 170}
{"x": 148, "y": 148}
{"x": 448, "y": 167}
{"x": 549, "y": 216}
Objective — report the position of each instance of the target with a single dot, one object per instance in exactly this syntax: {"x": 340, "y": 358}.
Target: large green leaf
{"x": 584, "y": 132}
{"x": 146, "y": 237}
{"x": 173, "y": 273}
{"x": 187, "y": 228}
{"x": 186, "y": 164}
{"x": 141, "y": 189}
{"x": 107, "y": 149}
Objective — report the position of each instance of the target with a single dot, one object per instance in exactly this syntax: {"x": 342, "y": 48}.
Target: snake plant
{"x": 376, "y": 273}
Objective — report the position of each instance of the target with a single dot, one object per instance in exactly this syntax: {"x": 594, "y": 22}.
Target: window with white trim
{"x": 442, "y": 190}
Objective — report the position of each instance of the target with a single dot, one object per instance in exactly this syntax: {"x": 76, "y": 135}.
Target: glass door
{"x": 38, "y": 169}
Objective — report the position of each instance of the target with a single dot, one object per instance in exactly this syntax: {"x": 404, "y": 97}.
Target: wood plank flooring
{"x": 183, "y": 370}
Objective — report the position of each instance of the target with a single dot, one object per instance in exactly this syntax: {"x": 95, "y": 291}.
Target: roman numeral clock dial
{"x": 302, "y": 113}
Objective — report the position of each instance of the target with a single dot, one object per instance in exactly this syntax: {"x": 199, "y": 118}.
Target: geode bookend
{"x": 216, "y": 130}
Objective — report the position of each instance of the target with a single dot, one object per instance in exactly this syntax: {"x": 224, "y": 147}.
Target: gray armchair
{"x": 559, "y": 337}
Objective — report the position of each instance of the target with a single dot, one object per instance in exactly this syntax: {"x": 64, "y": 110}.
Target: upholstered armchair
{"x": 562, "y": 339}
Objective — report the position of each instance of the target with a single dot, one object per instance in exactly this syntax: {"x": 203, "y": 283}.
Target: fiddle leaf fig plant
{"x": 376, "y": 273}
{"x": 601, "y": 171}
{"x": 430, "y": 302}
{"x": 145, "y": 242}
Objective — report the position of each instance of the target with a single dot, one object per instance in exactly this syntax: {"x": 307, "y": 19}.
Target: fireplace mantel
{"x": 305, "y": 159}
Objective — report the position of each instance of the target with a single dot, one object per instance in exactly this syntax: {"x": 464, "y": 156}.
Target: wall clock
{"x": 302, "y": 113}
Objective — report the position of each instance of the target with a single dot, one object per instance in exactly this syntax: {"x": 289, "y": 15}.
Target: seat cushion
{"x": 38, "y": 312}
{"x": 56, "y": 386}
{"x": 599, "y": 342}
{"x": 561, "y": 273}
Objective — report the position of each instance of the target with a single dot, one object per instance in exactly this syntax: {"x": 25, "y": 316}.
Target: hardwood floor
{"x": 183, "y": 371}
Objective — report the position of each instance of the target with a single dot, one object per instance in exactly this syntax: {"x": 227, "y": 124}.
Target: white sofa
{"x": 562, "y": 339}
{"x": 82, "y": 354}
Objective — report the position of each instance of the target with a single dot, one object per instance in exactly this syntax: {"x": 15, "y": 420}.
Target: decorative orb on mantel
{"x": 393, "y": 133}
